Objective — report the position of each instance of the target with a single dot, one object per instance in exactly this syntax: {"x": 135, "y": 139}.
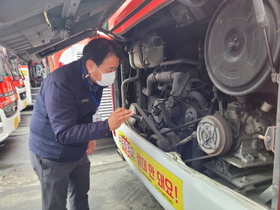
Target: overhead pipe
{"x": 176, "y": 78}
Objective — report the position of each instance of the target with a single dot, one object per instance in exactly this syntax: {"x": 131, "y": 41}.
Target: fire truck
{"x": 201, "y": 77}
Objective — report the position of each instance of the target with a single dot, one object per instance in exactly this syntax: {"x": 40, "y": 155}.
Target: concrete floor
{"x": 114, "y": 186}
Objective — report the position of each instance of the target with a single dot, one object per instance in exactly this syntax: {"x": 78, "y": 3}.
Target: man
{"x": 62, "y": 126}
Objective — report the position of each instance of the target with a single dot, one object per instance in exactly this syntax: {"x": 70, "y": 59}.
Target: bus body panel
{"x": 8, "y": 125}
{"x": 21, "y": 91}
{"x": 128, "y": 8}
{"x": 175, "y": 185}
{"x": 24, "y": 70}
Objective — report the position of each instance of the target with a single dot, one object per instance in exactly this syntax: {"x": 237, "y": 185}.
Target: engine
{"x": 211, "y": 100}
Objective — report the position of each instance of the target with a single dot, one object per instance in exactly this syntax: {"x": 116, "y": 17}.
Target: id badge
{"x": 96, "y": 117}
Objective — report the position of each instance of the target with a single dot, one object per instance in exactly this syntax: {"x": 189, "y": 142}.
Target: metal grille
{"x": 106, "y": 105}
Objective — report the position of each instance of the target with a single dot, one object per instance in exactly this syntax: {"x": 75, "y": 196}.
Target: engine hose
{"x": 124, "y": 86}
{"x": 199, "y": 98}
{"x": 152, "y": 79}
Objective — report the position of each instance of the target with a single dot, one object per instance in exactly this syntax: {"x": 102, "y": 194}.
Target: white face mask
{"x": 106, "y": 79}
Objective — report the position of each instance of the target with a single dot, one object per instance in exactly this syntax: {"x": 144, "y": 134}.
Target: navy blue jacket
{"x": 61, "y": 123}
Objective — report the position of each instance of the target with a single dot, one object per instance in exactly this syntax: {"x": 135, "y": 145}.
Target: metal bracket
{"x": 269, "y": 138}
{"x": 111, "y": 34}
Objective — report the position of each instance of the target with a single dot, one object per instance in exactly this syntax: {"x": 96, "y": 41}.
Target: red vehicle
{"x": 9, "y": 110}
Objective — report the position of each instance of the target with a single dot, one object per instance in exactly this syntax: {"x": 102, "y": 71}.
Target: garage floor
{"x": 114, "y": 186}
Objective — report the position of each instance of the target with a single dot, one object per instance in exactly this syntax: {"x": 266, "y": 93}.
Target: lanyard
{"x": 87, "y": 85}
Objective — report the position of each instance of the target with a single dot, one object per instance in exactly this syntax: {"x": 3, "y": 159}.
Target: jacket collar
{"x": 93, "y": 87}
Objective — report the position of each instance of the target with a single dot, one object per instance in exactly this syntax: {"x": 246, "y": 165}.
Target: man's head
{"x": 101, "y": 58}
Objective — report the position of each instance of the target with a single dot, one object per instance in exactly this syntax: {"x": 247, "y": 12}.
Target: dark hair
{"x": 98, "y": 49}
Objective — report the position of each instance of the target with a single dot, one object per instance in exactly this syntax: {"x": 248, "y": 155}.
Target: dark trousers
{"x": 61, "y": 179}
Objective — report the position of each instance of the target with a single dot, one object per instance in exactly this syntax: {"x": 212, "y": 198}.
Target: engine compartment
{"x": 199, "y": 77}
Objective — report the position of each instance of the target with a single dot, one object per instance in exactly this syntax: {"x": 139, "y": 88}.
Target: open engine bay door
{"x": 36, "y": 29}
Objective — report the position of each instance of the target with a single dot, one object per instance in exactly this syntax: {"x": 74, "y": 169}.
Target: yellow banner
{"x": 169, "y": 185}
{"x": 24, "y": 72}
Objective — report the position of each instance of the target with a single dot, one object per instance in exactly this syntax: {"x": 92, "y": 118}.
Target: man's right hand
{"x": 119, "y": 116}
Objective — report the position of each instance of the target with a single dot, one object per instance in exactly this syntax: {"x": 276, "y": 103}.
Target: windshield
{"x": 15, "y": 71}
{"x": 5, "y": 68}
